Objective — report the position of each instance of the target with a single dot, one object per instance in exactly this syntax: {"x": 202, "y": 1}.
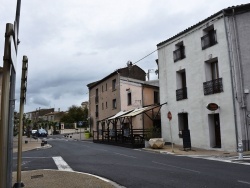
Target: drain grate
{"x": 37, "y": 176}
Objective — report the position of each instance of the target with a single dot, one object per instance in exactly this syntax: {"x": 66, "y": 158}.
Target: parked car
{"x": 42, "y": 133}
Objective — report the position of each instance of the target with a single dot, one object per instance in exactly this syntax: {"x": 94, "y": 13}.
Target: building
{"x": 121, "y": 92}
{"x": 204, "y": 78}
{"x": 85, "y": 104}
{"x": 38, "y": 114}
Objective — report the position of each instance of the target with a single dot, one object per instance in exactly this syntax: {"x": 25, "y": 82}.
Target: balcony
{"x": 213, "y": 86}
{"x": 181, "y": 94}
{"x": 179, "y": 54}
{"x": 96, "y": 99}
{"x": 208, "y": 40}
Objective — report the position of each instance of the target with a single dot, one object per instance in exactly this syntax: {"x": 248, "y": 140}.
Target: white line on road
{"x": 61, "y": 164}
{"x": 176, "y": 167}
{"x": 33, "y": 157}
{"x": 245, "y": 182}
{"x": 125, "y": 155}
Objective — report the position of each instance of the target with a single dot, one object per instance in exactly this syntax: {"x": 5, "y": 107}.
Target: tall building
{"x": 204, "y": 78}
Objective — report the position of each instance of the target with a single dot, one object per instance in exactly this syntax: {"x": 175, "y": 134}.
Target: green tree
{"x": 75, "y": 114}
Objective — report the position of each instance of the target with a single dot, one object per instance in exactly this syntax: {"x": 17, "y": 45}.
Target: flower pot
{"x": 87, "y": 135}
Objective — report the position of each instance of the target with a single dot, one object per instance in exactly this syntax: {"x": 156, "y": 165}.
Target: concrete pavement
{"x": 57, "y": 178}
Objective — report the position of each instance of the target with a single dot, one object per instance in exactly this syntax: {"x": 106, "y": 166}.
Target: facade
{"x": 37, "y": 115}
{"x": 123, "y": 90}
{"x": 1, "y": 78}
{"x": 207, "y": 67}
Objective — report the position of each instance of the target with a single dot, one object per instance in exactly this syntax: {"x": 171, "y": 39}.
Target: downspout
{"x": 243, "y": 107}
{"x": 232, "y": 85}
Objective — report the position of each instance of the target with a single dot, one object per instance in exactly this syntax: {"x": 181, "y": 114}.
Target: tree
{"x": 75, "y": 114}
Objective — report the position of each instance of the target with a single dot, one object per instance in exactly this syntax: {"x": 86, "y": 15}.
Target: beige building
{"x": 121, "y": 99}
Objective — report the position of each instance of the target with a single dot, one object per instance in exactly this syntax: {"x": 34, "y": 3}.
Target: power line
{"x": 145, "y": 57}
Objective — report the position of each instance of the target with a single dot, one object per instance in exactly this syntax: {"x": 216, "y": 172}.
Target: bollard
{"x": 240, "y": 150}
{"x": 26, "y": 141}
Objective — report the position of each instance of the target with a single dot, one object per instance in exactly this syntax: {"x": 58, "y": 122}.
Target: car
{"x": 33, "y": 132}
{"x": 42, "y": 133}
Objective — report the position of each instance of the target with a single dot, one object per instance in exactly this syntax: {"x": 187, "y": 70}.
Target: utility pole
{"x": 8, "y": 100}
{"x": 23, "y": 90}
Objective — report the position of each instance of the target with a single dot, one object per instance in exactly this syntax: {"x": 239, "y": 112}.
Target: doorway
{"x": 214, "y": 129}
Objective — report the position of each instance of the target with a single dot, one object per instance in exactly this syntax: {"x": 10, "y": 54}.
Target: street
{"x": 135, "y": 167}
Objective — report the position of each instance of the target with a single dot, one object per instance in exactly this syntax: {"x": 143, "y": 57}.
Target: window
{"x": 113, "y": 84}
{"x": 129, "y": 99}
{"x": 181, "y": 92}
{"x": 114, "y": 103}
{"x": 213, "y": 82}
{"x": 102, "y": 88}
{"x": 102, "y": 106}
{"x": 106, "y": 105}
{"x": 179, "y": 53}
{"x": 156, "y": 97}
{"x": 96, "y": 96}
{"x": 96, "y": 111}
{"x": 106, "y": 86}
{"x": 209, "y": 38}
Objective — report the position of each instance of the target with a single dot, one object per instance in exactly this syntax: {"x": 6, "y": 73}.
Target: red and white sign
{"x": 169, "y": 115}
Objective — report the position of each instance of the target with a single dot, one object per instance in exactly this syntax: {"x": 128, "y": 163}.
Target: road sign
{"x": 80, "y": 123}
{"x": 169, "y": 115}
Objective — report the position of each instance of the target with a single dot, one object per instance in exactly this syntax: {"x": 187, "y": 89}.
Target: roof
{"x": 120, "y": 71}
{"x": 227, "y": 11}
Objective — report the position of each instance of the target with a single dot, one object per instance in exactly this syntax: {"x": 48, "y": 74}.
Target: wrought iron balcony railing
{"x": 213, "y": 86}
{"x": 179, "y": 54}
{"x": 181, "y": 94}
{"x": 208, "y": 40}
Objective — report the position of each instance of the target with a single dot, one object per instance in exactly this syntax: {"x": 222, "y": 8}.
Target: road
{"x": 137, "y": 167}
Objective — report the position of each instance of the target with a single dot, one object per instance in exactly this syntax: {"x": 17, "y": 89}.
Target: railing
{"x": 132, "y": 138}
{"x": 96, "y": 99}
{"x": 179, "y": 54}
{"x": 181, "y": 94}
{"x": 213, "y": 86}
{"x": 208, "y": 40}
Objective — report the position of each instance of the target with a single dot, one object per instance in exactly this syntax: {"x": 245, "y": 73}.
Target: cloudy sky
{"x": 70, "y": 43}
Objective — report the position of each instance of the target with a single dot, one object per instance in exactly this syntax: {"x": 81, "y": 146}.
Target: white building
{"x": 208, "y": 64}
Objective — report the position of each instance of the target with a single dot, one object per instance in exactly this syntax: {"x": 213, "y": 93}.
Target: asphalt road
{"x": 138, "y": 168}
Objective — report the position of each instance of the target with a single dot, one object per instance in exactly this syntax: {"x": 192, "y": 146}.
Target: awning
{"x": 119, "y": 114}
{"x": 135, "y": 112}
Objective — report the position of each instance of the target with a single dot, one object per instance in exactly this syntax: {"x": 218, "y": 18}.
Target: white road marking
{"x": 61, "y": 164}
{"x": 125, "y": 155}
{"x": 177, "y": 167}
{"x": 244, "y": 182}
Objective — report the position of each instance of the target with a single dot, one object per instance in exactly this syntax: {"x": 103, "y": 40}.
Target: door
{"x": 217, "y": 131}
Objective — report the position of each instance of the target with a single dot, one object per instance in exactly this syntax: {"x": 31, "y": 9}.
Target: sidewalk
{"x": 178, "y": 150}
{"x": 54, "y": 178}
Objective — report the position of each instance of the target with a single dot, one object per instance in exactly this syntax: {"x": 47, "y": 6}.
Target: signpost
{"x": 170, "y": 118}
{"x": 8, "y": 100}
{"x": 80, "y": 125}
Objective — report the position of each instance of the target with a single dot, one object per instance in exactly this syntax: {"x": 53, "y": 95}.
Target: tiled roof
{"x": 226, "y": 12}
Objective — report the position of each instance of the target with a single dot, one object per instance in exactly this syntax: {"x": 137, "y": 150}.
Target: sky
{"x": 71, "y": 43}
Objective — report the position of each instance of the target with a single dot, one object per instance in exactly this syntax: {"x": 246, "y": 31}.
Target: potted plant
{"x": 87, "y": 134}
